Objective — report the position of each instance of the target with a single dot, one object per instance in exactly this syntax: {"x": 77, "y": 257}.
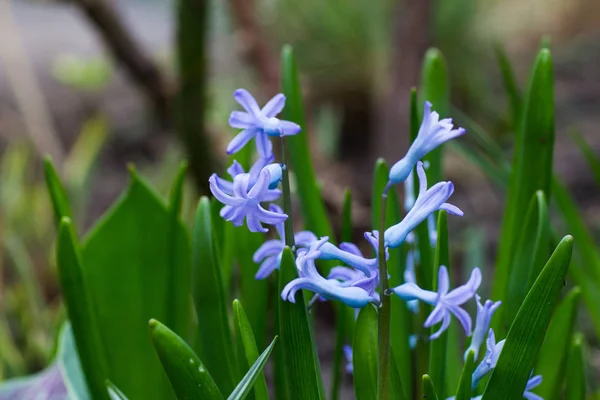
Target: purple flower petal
{"x": 264, "y": 145}
{"x": 274, "y": 106}
{"x": 245, "y": 99}
{"x": 288, "y": 128}
{"x": 241, "y": 120}
{"x": 240, "y": 140}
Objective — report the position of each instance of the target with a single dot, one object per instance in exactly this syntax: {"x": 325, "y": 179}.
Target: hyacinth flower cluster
{"x": 356, "y": 282}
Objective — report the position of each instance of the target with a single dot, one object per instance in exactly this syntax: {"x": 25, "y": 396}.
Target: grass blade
{"x": 58, "y": 196}
{"x": 365, "y": 354}
{"x": 428, "y": 389}
{"x": 532, "y": 164}
{"x": 510, "y": 85}
{"x": 552, "y": 361}
{"x": 216, "y": 344}
{"x": 81, "y": 311}
{"x": 245, "y": 336}
{"x": 526, "y": 334}
{"x": 114, "y": 392}
{"x": 187, "y": 375}
{"x": 576, "y": 386}
{"x": 297, "y": 342}
{"x": 588, "y": 153}
{"x": 254, "y": 373}
{"x": 464, "y": 386}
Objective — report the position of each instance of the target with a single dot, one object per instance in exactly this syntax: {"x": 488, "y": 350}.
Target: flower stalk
{"x": 287, "y": 197}
{"x": 383, "y": 377}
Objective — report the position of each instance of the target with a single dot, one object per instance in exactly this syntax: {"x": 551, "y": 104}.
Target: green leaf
{"x": 311, "y": 202}
{"x": 435, "y": 88}
{"x": 114, "y": 392}
{"x": 438, "y": 347}
{"x": 428, "y": 389}
{"x": 216, "y": 342}
{"x": 179, "y": 307}
{"x": 81, "y": 310}
{"x": 576, "y": 387}
{"x": 530, "y": 256}
{"x": 397, "y": 386}
{"x": 464, "y": 386}
{"x": 532, "y": 164}
{"x": 128, "y": 262}
{"x": 187, "y": 374}
{"x": 297, "y": 342}
{"x": 588, "y": 153}
{"x": 69, "y": 363}
{"x": 510, "y": 85}
{"x": 552, "y": 360}
{"x": 525, "y": 337}
{"x": 365, "y": 354}
{"x": 58, "y": 196}
{"x": 245, "y": 336}
{"x": 254, "y": 373}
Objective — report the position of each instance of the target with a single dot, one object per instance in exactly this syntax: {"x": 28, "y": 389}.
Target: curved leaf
{"x": 576, "y": 386}
{"x": 58, "y": 196}
{"x": 365, "y": 354}
{"x": 428, "y": 388}
{"x": 464, "y": 386}
{"x": 243, "y": 388}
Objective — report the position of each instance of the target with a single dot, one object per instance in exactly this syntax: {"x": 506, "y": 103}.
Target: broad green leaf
{"x": 397, "y": 385}
{"x": 552, "y": 360}
{"x": 365, "y": 354}
{"x": 589, "y": 154}
{"x": 510, "y": 85}
{"x": 435, "y": 88}
{"x": 216, "y": 343}
{"x": 188, "y": 376}
{"x": 58, "y": 196}
{"x": 297, "y": 341}
{"x": 532, "y": 164}
{"x": 463, "y": 391}
{"x": 576, "y": 386}
{"x": 114, "y": 392}
{"x": 526, "y": 334}
{"x": 400, "y": 322}
{"x": 129, "y": 263}
{"x": 245, "y": 336}
{"x": 311, "y": 202}
{"x": 178, "y": 317}
{"x": 428, "y": 389}
{"x": 438, "y": 348}
{"x": 531, "y": 254}
{"x": 81, "y": 310}
{"x": 254, "y": 373}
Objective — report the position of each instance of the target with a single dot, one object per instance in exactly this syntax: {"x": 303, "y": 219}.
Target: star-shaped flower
{"x": 445, "y": 303}
{"x": 258, "y": 123}
{"x": 482, "y": 324}
{"x": 492, "y": 353}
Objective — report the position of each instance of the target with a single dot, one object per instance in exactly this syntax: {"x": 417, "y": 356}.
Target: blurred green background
{"x": 99, "y": 84}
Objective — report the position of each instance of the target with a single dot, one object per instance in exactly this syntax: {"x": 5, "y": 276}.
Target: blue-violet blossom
{"x": 269, "y": 254}
{"x": 445, "y": 303}
{"x": 492, "y": 353}
{"x": 428, "y": 201}
{"x": 482, "y": 324}
{"x": 355, "y": 277}
{"x": 432, "y": 133}
{"x": 532, "y": 383}
{"x": 258, "y": 123}
{"x": 330, "y": 289}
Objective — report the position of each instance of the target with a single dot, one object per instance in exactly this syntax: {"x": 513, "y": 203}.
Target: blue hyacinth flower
{"x": 532, "y": 383}
{"x": 354, "y": 277}
{"x": 329, "y": 289}
{"x": 348, "y": 356}
{"x": 492, "y": 353}
{"x": 410, "y": 277}
{"x": 269, "y": 254}
{"x": 428, "y": 201}
{"x": 235, "y": 169}
{"x": 445, "y": 303}
{"x": 353, "y": 259}
{"x": 482, "y": 324}
{"x": 432, "y": 133}
{"x": 258, "y": 123}
{"x": 242, "y": 200}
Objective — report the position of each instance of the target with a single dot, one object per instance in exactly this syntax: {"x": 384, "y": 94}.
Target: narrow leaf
{"x": 428, "y": 389}
{"x": 365, "y": 354}
{"x": 244, "y": 334}
{"x": 81, "y": 310}
{"x": 216, "y": 344}
{"x": 58, "y": 196}
{"x": 187, "y": 375}
{"x": 464, "y": 386}
{"x": 588, "y": 153}
{"x": 576, "y": 386}
{"x": 526, "y": 333}
{"x": 297, "y": 341}
{"x": 254, "y": 373}
{"x": 552, "y": 360}
{"x": 114, "y": 393}
{"x": 510, "y": 85}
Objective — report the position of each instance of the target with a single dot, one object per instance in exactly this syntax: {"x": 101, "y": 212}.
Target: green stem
{"x": 384, "y": 313}
{"x": 287, "y": 198}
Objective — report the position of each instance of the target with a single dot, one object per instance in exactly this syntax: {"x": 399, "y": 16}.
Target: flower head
{"x": 330, "y": 289}
{"x": 482, "y": 324}
{"x": 533, "y": 382}
{"x": 258, "y": 123}
{"x": 242, "y": 199}
{"x": 354, "y": 258}
{"x": 428, "y": 201}
{"x": 269, "y": 254}
{"x": 492, "y": 353}
{"x": 354, "y": 277}
{"x": 445, "y": 303}
{"x": 348, "y": 356}
{"x": 432, "y": 133}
